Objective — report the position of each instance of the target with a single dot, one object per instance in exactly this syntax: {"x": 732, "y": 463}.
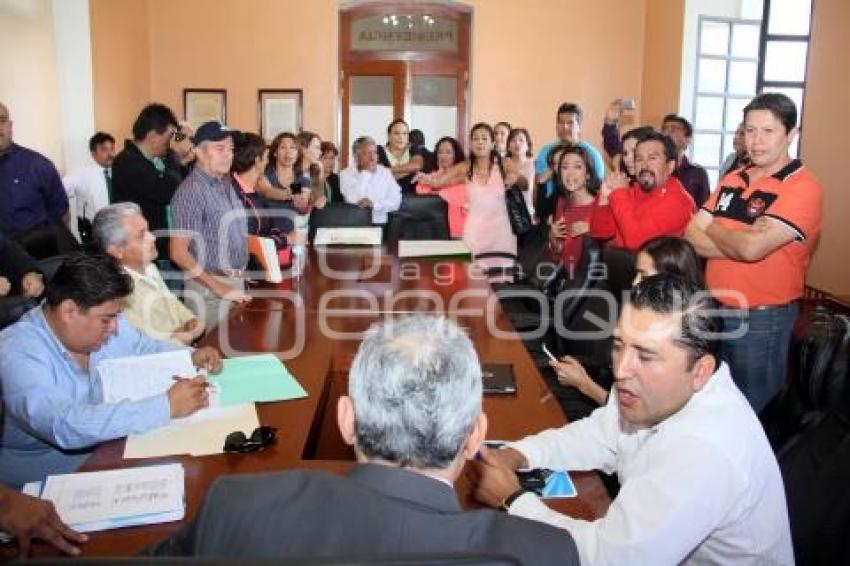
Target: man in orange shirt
{"x": 758, "y": 231}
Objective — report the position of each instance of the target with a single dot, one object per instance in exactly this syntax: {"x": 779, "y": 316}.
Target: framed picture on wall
{"x": 279, "y": 111}
{"x": 204, "y": 105}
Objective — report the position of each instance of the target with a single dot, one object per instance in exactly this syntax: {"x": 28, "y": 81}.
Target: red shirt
{"x": 570, "y": 214}
{"x": 634, "y": 216}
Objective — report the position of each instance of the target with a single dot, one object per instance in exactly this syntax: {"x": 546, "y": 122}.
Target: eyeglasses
{"x": 261, "y": 438}
{"x": 178, "y": 136}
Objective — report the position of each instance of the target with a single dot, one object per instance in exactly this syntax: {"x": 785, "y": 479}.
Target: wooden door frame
{"x": 435, "y": 63}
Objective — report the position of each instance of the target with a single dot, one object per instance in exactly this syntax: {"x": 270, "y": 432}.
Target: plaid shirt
{"x": 209, "y": 209}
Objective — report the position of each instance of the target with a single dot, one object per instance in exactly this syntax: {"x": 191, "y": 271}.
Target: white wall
{"x": 30, "y": 86}
{"x": 45, "y": 62}
{"x": 72, "y": 40}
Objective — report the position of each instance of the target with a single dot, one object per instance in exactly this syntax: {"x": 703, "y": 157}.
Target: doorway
{"x": 403, "y": 60}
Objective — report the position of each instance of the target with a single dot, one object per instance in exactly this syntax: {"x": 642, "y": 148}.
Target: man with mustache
{"x": 656, "y": 204}
{"x": 700, "y": 483}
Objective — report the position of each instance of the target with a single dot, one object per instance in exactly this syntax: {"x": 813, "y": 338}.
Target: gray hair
{"x": 108, "y": 224}
{"x": 415, "y": 384}
{"x": 360, "y": 142}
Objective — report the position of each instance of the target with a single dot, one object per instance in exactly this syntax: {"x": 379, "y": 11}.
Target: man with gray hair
{"x": 121, "y": 231}
{"x": 368, "y": 184}
{"x": 413, "y": 415}
{"x": 700, "y": 483}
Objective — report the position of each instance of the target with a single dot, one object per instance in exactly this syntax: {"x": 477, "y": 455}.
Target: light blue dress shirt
{"x": 540, "y": 165}
{"x": 54, "y": 414}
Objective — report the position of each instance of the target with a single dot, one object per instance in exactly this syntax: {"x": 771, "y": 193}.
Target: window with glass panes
{"x": 726, "y": 80}
{"x": 783, "y": 51}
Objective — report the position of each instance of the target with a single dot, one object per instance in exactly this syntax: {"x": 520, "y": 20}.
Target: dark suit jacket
{"x": 135, "y": 179}
{"x": 374, "y": 510}
{"x": 15, "y": 262}
{"x": 336, "y": 194}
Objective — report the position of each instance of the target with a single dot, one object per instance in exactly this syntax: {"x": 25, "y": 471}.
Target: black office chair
{"x": 338, "y": 215}
{"x": 420, "y": 217}
{"x": 14, "y": 307}
{"x": 418, "y": 559}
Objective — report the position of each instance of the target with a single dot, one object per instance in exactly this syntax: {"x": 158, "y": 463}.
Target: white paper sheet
{"x": 139, "y": 377}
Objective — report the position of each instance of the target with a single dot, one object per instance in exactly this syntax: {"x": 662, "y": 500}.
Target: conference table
{"x": 314, "y": 325}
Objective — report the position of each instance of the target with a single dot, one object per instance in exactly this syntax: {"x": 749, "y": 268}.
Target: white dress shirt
{"x": 701, "y": 487}
{"x": 88, "y": 185}
{"x": 379, "y": 186}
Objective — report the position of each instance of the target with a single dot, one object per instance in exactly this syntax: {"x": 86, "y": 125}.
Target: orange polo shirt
{"x": 792, "y": 196}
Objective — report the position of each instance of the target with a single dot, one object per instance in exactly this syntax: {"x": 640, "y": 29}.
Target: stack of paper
{"x": 95, "y": 501}
{"x": 432, "y": 248}
{"x": 199, "y": 437}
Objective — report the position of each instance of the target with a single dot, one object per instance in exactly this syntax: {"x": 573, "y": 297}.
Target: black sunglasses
{"x": 261, "y": 437}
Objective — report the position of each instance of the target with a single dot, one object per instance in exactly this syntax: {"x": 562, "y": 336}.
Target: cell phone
{"x": 296, "y": 188}
{"x": 628, "y": 103}
{"x": 549, "y": 354}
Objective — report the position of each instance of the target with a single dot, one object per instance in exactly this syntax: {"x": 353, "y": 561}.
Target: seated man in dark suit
{"x": 413, "y": 415}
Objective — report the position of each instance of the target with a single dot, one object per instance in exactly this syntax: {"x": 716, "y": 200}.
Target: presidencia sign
{"x": 404, "y": 33}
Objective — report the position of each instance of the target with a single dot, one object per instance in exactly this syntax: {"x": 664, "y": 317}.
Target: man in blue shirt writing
{"x": 54, "y": 409}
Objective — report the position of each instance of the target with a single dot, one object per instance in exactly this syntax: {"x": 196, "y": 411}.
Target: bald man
{"x": 33, "y": 202}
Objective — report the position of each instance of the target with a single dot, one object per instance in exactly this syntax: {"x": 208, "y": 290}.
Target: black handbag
{"x": 517, "y": 211}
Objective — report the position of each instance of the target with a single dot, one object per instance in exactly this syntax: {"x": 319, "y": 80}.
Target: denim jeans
{"x": 759, "y": 358}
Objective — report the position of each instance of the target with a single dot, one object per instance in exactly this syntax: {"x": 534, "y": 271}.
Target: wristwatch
{"x": 509, "y": 500}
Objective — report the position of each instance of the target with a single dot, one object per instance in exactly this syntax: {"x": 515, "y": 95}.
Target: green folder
{"x": 255, "y": 379}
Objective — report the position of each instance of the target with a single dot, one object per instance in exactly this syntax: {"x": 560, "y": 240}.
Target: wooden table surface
{"x": 313, "y": 325}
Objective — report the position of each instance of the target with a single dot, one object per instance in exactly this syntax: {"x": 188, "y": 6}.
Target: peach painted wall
{"x": 120, "y": 63}
{"x": 519, "y": 73}
{"x": 662, "y": 59}
{"x": 242, "y": 46}
{"x": 824, "y": 147}
{"x": 530, "y": 56}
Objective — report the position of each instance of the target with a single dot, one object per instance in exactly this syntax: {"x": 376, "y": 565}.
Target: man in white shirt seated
{"x": 91, "y": 186}
{"x": 369, "y": 184}
{"x": 121, "y": 231}
{"x": 700, "y": 483}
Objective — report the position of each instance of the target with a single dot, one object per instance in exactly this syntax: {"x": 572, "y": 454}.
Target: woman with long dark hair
{"x": 403, "y": 159}
{"x": 576, "y": 184}
{"x": 487, "y": 228}
{"x": 448, "y": 181}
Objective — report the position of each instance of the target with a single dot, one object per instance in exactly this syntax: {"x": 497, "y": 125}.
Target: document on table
{"x": 432, "y": 248}
{"x": 360, "y": 236}
{"x": 139, "y": 377}
{"x": 195, "y": 438}
{"x": 94, "y": 501}
{"x": 259, "y": 378}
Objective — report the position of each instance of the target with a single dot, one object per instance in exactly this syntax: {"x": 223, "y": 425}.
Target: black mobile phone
{"x": 295, "y": 188}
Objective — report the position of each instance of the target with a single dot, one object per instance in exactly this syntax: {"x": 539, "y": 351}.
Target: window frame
{"x": 728, "y": 58}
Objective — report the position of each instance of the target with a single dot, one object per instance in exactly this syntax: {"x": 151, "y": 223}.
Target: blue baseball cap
{"x": 212, "y": 131}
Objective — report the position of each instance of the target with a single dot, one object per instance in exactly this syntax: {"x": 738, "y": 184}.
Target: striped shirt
{"x": 209, "y": 210}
